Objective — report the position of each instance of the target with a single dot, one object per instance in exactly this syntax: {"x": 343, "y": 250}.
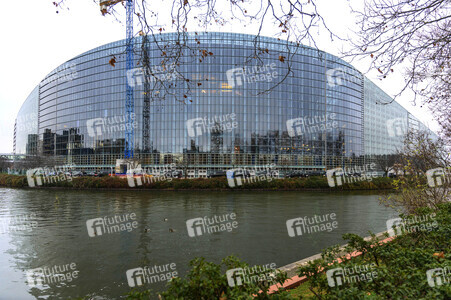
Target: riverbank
{"x": 292, "y": 269}
{"x": 211, "y": 184}
{"x": 412, "y": 264}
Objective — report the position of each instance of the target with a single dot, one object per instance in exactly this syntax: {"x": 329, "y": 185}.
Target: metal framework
{"x": 147, "y": 91}
{"x": 129, "y": 101}
{"x": 129, "y": 93}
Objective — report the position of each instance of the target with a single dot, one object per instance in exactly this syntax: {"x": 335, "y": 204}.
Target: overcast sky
{"x": 36, "y": 40}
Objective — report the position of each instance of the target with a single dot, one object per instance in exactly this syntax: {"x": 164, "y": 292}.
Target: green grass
{"x": 302, "y": 292}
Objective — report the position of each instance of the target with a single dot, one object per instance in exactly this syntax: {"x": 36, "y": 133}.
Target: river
{"x": 54, "y": 232}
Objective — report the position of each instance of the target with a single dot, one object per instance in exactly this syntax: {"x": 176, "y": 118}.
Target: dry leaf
{"x": 439, "y": 255}
{"x": 112, "y": 62}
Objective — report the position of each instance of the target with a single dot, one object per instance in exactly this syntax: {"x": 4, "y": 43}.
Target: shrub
{"x": 400, "y": 265}
{"x": 315, "y": 182}
{"x": 207, "y": 280}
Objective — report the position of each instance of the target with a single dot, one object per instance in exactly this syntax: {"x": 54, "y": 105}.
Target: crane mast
{"x": 146, "y": 100}
{"x": 129, "y": 101}
{"x": 129, "y": 95}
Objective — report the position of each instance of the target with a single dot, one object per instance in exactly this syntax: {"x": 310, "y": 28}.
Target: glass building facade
{"x": 212, "y": 105}
{"x": 26, "y": 126}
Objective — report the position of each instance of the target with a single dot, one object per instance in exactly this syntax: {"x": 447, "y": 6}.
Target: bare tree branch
{"x": 415, "y": 34}
{"x": 294, "y": 21}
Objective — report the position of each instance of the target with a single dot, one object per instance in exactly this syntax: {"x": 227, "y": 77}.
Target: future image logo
{"x": 195, "y": 127}
{"x": 137, "y": 76}
{"x": 100, "y": 126}
{"x": 335, "y": 77}
{"x": 109, "y": 225}
{"x": 239, "y": 176}
{"x": 26, "y": 122}
{"x": 438, "y": 176}
{"x": 151, "y": 274}
{"x": 95, "y": 126}
{"x": 35, "y": 277}
{"x": 340, "y": 176}
{"x": 308, "y": 125}
{"x": 138, "y": 176}
{"x": 421, "y": 223}
{"x": 208, "y": 225}
{"x": 18, "y": 223}
{"x": 239, "y": 76}
{"x": 206, "y": 125}
{"x": 51, "y": 275}
{"x": 395, "y": 225}
{"x": 339, "y": 76}
{"x": 135, "y": 277}
{"x": 334, "y": 177}
{"x": 396, "y": 127}
{"x": 439, "y": 276}
{"x": 64, "y": 73}
{"x": 357, "y": 273}
{"x": 41, "y": 176}
{"x": 308, "y": 225}
{"x": 234, "y": 277}
{"x": 233, "y": 180}
{"x": 335, "y": 277}
{"x": 250, "y": 275}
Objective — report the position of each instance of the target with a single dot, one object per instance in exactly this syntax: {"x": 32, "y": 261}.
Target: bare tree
{"x": 184, "y": 163}
{"x": 35, "y": 161}
{"x": 386, "y": 162}
{"x": 415, "y": 34}
{"x": 294, "y": 21}
{"x": 422, "y": 153}
{"x": 4, "y": 164}
{"x": 423, "y": 159}
{"x": 133, "y": 164}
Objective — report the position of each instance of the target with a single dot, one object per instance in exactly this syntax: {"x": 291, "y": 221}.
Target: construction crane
{"x": 147, "y": 91}
{"x": 129, "y": 97}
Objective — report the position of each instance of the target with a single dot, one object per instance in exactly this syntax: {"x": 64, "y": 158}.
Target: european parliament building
{"x": 223, "y": 101}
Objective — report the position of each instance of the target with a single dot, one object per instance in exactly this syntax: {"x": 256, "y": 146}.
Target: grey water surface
{"x": 52, "y": 228}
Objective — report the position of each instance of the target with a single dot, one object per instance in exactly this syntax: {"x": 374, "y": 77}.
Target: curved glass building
{"x": 224, "y": 100}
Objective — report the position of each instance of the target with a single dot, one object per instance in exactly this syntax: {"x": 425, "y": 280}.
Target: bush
{"x": 400, "y": 265}
{"x": 207, "y": 280}
{"x": 315, "y": 182}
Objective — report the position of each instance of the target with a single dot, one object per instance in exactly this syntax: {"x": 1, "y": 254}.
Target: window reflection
{"x": 261, "y": 134}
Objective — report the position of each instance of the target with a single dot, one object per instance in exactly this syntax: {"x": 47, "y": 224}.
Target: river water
{"x": 44, "y": 233}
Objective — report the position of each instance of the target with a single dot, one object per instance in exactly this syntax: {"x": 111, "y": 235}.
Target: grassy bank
{"x": 412, "y": 266}
{"x": 310, "y": 183}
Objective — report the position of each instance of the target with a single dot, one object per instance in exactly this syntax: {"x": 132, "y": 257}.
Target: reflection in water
{"x": 72, "y": 231}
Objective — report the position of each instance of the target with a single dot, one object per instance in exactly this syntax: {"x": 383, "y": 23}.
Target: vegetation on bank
{"x": 207, "y": 280}
{"x": 398, "y": 270}
{"x": 393, "y": 270}
{"x": 315, "y": 182}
